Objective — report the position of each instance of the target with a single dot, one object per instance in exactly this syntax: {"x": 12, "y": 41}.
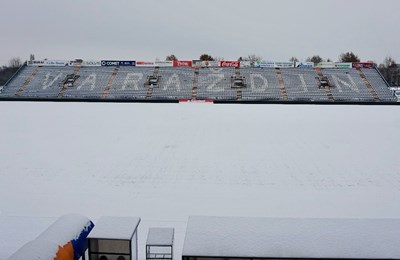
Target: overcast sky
{"x": 149, "y": 29}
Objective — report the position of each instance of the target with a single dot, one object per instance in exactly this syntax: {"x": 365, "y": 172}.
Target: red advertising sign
{"x": 363, "y": 65}
{"x": 183, "y": 63}
{"x": 226, "y": 63}
{"x": 145, "y": 64}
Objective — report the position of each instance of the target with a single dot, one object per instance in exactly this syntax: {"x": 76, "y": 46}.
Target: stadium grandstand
{"x": 232, "y": 182}
{"x": 224, "y": 81}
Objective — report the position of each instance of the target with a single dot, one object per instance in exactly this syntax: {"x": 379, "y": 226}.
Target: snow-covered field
{"x": 164, "y": 162}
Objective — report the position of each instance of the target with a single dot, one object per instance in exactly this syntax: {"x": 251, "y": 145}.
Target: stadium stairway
{"x": 150, "y": 86}
{"x": 281, "y": 84}
{"x": 369, "y": 86}
{"x": 239, "y": 93}
{"x": 327, "y": 89}
{"x": 106, "y": 91}
{"x": 64, "y": 88}
{"x": 27, "y": 81}
{"x": 195, "y": 83}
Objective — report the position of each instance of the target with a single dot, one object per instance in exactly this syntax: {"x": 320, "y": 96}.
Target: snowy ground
{"x": 164, "y": 162}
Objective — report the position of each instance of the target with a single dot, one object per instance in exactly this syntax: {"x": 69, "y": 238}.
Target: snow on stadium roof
{"x": 292, "y": 238}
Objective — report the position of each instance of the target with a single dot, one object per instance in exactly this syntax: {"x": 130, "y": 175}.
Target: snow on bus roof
{"x": 292, "y": 238}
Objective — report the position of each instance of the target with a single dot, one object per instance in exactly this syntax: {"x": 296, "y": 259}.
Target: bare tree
{"x": 390, "y": 71}
{"x": 389, "y": 62}
{"x": 252, "y": 58}
{"x": 15, "y": 62}
{"x": 218, "y": 58}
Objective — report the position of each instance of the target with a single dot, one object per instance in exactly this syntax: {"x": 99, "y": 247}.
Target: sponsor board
{"x": 225, "y": 63}
{"x": 326, "y": 65}
{"x": 196, "y": 63}
{"x": 91, "y": 63}
{"x": 246, "y": 64}
{"x": 145, "y": 64}
{"x": 304, "y": 64}
{"x": 276, "y": 64}
{"x": 207, "y": 64}
{"x": 36, "y": 63}
{"x": 182, "y": 63}
{"x": 163, "y": 63}
{"x": 56, "y": 63}
{"x": 363, "y": 65}
{"x": 118, "y": 63}
{"x": 74, "y": 63}
{"x": 344, "y": 65}
{"x": 264, "y": 64}
{"x": 284, "y": 64}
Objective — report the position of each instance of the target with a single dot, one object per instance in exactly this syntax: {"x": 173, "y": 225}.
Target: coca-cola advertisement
{"x": 183, "y": 63}
{"x": 226, "y": 63}
{"x": 363, "y": 65}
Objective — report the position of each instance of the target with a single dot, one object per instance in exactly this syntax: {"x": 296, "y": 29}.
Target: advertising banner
{"x": 344, "y": 65}
{"x": 284, "y": 64}
{"x": 304, "y": 64}
{"x": 265, "y": 64}
{"x": 226, "y": 63}
{"x": 207, "y": 64}
{"x": 163, "y": 63}
{"x": 247, "y": 64}
{"x": 326, "y": 65}
{"x": 363, "y": 65}
{"x": 182, "y": 63}
{"x": 274, "y": 64}
{"x": 196, "y": 63}
{"x": 118, "y": 63}
{"x": 57, "y": 63}
{"x": 91, "y": 63}
{"x": 36, "y": 63}
{"x": 145, "y": 64}
{"x": 73, "y": 63}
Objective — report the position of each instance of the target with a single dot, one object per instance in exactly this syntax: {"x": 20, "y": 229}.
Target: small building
{"x": 114, "y": 238}
{"x": 215, "y": 238}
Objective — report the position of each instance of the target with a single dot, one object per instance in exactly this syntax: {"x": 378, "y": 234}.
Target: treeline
{"x": 390, "y": 70}
{"x": 6, "y": 72}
